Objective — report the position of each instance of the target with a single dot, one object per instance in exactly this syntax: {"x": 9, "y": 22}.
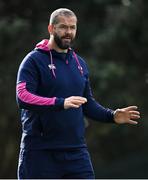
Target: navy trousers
{"x": 47, "y": 164}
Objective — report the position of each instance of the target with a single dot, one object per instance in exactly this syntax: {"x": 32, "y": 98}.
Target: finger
{"x": 130, "y": 108}
{"x": 77, "y": 102}
{"x": 83, "y": 100}
{"x": 135, "y": 112}
{"x": 134, "y": 116}
{"x": 132, "y": 122}
{"x": 79, "y": 98}
{"x": 73, "y": 106}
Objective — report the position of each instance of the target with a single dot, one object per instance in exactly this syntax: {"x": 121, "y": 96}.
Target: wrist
{"x": 116, "y": 112}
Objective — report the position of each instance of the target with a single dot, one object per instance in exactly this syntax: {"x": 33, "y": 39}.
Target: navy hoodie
{"x": 45, "y": 78}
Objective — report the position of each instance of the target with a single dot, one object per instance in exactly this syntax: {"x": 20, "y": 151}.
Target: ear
{"x": 50, "y": 28}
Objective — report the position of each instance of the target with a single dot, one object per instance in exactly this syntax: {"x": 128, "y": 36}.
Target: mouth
{"x": 67, "y": 38}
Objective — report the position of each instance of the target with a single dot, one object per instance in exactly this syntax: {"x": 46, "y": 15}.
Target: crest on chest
{"x": 52, "y": 66}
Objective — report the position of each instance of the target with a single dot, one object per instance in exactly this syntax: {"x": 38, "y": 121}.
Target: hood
{"x": 43, "y": 45}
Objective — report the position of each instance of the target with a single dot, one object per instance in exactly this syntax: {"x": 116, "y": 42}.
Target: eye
{"x": 63, "y": 27}
{"x": 73, "y": 27}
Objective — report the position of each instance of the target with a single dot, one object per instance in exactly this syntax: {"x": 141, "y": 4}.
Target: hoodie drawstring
{"x": 52, "y": 66}
{"x": 78, "y": 63}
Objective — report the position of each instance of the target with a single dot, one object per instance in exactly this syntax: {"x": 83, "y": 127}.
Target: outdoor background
{"x": 113, "y": 38}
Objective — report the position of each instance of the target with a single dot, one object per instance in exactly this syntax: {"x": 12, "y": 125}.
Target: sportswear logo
{"x": 51, "y": 66}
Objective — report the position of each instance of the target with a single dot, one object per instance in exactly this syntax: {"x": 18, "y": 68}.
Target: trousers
{"x": 49, "y": 164}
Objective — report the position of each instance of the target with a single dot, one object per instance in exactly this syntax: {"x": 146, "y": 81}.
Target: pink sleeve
{"x": 27, "y": 97}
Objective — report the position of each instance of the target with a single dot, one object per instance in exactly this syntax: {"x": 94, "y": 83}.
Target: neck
{"x": 53, "y": 45}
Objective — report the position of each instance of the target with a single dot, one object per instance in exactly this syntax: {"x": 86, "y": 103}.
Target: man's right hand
{"x": 74, "y": 102}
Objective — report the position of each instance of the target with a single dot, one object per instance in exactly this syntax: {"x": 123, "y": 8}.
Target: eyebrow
{"x": 64, "y": 25}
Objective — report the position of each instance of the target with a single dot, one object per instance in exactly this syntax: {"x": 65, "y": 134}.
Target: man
{"x": 53, "y": 93}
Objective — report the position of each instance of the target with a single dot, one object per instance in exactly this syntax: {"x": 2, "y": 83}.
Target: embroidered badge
{"x": 51, "y": 66}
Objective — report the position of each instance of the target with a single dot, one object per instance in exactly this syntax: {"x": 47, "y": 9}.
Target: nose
{"x": 68, "y": 30}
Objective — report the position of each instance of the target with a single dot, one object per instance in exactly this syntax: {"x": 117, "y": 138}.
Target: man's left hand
{"x": 128, "y": 115}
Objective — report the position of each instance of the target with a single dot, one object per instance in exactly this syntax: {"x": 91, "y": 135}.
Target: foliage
{"x": 112, "y": 37}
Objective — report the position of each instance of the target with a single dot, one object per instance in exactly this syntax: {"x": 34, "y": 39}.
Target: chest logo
{"x": 51, "y": 66}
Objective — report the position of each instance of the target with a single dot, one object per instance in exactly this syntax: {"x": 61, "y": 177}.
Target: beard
{"x": 63, "y": 42}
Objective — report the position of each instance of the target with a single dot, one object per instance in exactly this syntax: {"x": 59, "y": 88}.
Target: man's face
{"x": 64, "y": 31}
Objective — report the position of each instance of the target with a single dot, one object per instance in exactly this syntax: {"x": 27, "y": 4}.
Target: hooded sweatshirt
{"x": 45, "y": 78}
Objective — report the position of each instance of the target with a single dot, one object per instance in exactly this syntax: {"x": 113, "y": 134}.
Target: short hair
{"x": 60, "y": 12}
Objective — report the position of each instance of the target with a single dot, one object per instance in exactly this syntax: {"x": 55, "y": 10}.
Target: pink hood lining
{"x": 43, "y": 45}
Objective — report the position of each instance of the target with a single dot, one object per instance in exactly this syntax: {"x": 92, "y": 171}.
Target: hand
{"x": 74, "y": 102}
{"x": 127, "y": 115}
